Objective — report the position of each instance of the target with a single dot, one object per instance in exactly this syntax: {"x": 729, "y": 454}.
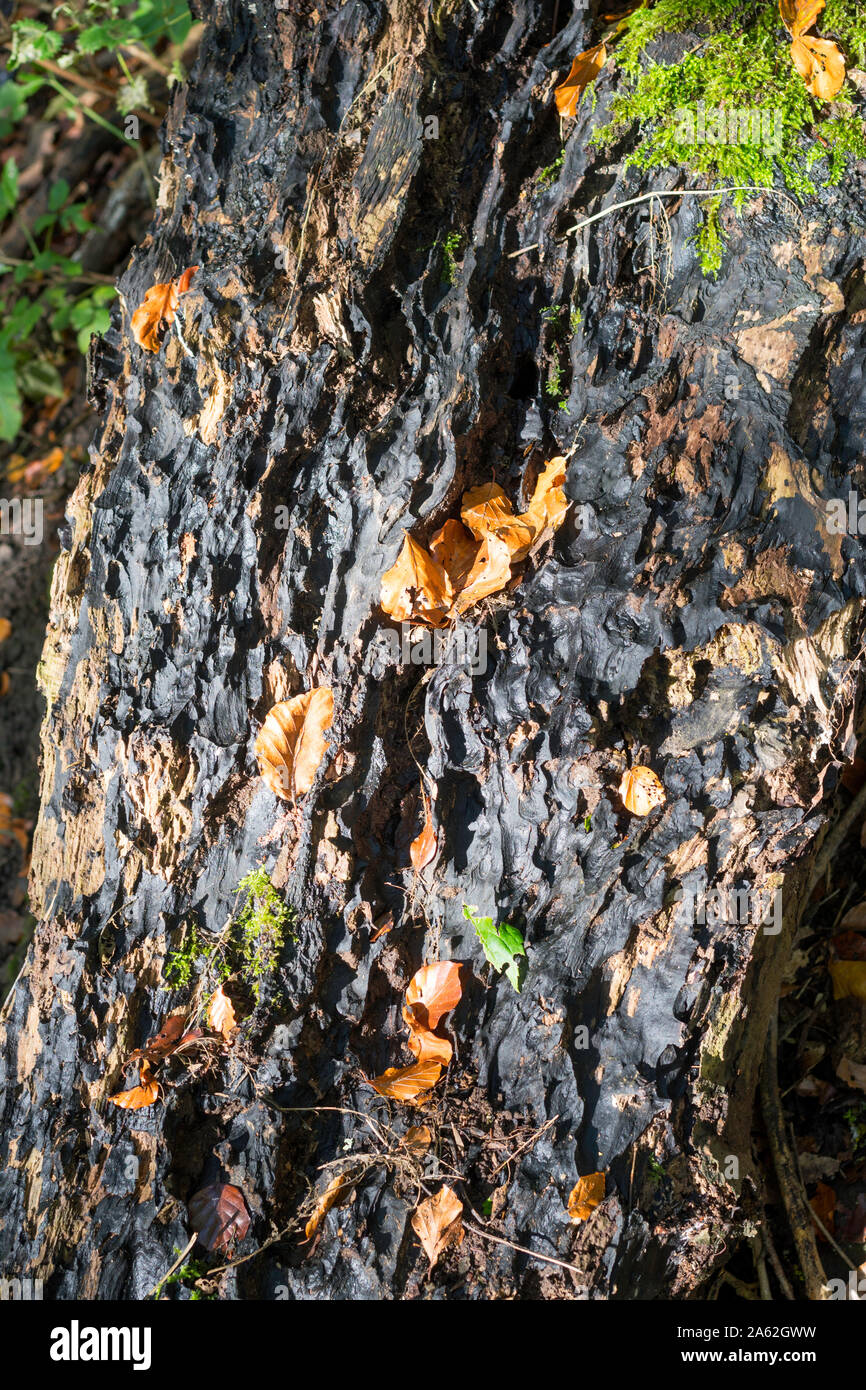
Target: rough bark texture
{"x": 694, "y": 613}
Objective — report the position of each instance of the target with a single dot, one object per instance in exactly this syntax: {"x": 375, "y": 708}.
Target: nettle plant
{"x": 47, "y": 298}
{"x": 680, "y": 108}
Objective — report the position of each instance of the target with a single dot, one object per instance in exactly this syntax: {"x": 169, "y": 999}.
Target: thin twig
{"x": 500, "y": 1240}
{"x": 659, "y": 193}
{"x": 533, "y": 1138}
{"x": 178, "y": 1262}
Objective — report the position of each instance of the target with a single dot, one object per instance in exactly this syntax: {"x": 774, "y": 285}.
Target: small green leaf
{"x": 8, "y": 187}
{"x": 57, "y": 195}
{"x": 502, "y": 944}
{"x": 39, "y": 379}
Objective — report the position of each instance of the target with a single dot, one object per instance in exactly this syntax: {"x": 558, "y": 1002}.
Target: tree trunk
{"x": 342, "y": 374}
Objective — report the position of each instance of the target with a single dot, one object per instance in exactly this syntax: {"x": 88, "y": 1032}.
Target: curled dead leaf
{"x": 437, "y": 1222}
{"x": 219, "y": 1214}
{"x": 434, "y": 991}
{"x": 163, "y": 1043}
{"x": 221, "y": 1014}
{"x": 799, "y": 15}
{"x": 418, "y": 1139}
{"x": 291, "y": 743}
{"x": 407, "y": 1083}
{"x": 821, "y": 64}
{"x": 641, "y": 790}
{"x": 423, "y": 847}
{"x": 416, "y": 586}
{"x": 140, "y": 1096}
{"x": 585, "y": 1196}
{"x": 333, "y": 1193}
{"x": 158, "y": 308}
{"x": 584, "y": 70}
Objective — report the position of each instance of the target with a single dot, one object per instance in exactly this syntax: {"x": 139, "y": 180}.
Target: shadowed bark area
{"x": 249, "y": 486}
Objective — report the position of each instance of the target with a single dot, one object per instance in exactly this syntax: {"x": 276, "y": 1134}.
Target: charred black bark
{"x": 695, "y": 613}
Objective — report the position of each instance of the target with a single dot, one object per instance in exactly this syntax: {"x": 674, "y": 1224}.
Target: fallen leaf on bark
{"x": 423, "y": 847}
{"x": 434, "y": 991}
{"x": 221, "y": 1014}
{"x": 799, "y": 15}
{"x": 219, "y": 1214}
{"x": 416, "y": 586}
{"x": 158, "y": 308}
{"x": 853, "y": 1074}
{"x": 418, "y": 1139}
{"x": 641, "y": 790}
{"x": 332, "y": 1194}
{"x": 163, "y": 1043}
{"x": 5, "y": 629}
{"x": 437, "y": 1223}
{"x": 584, "y": 70}
{"x": 487, "y": 512}
{"x": 490, "y": 573}
{"x": 849, "y": 978}
{"x": 585, "y": 1196}
{"x": 140, "y": 1096}
{"x": 407, "y": 1083}
{"x": 821, "y": 64}
{"x": 455, "y": 549}
{"x": 291, "y": 743}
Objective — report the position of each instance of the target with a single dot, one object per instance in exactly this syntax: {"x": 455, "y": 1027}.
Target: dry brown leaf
{"x": 418, "y": 1139}
{"x": 641, "y": 790}
{"x": 163, "y": 1043}
{"x": 799, "y": 15}
{"x": 546, "y": 512}
{"x": 585, "y": 1196}
{"x": 490, "y": 573}
{"x": 821, "y": 64}
{"x": 221, "y": 1014}
{"x": 437, "y": 1222}
{"x": 456, "y": 550}
{"x": 5, "y": 629}
{"x": 159, "y": 307}
{"x": 291, "y": 743}
{"x": 426, "y": 1046}
{"x": 434, "y": 991}
{"x": 139, "y": 1096}
{"x": 13, "y": 827}
{"x": 423, "y": 847}
{"x": 487, "y": 512}
{"x": 853, "y": 1074}
{"x": 416, "y": 586}
{"x": 849, "y": 978}
{"x": 4, "y": 684}
{"x": 407, "y": 1083}
{"x": 332, "y": 1194}
{"x": 584, "y": 70}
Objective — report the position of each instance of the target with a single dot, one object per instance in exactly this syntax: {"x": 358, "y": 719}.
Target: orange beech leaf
{"x": 821, "y": 64}
{"x": 221, "y": 1014}
{"x": 332, "y": 1194}
{"x": 291, "y": 743}
{"x": 849, "y": 978}
{"x": 487, "y": 512}
{"x": 407, "y": 1083}
{"x": 159, "y": 307}
{"x": 584, "y": 70}
{"x": 546, "y": 512}
{"x": 163, "y": 1043}
{"x": 5, "y": 629}
{"x": 456, "y": 549}
{"x": 423, "y": 847}
{"x": 434, "y": 991}
{"x": 424, "y": 1045}
{"x": 437, "y": 1222}
{"x": 641, "y": 790}
{"x": 585, "y": 1196}
{"x": 418, "y": 1139}
{"x": 4, "y": 684}
{"x": 799, "y": 15}
{"x": 139, "y": 1096}
{"x": 416, "y": 586}
{"x": 490, "y": 573}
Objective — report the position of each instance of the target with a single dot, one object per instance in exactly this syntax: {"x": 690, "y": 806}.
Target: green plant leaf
{"x": 502, "y": 944}
{"x": 10, "y": 400}
{"x": 8, "y": 187}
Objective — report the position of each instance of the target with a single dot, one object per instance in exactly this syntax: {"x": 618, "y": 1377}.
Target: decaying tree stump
{"x": 695, "y": 613}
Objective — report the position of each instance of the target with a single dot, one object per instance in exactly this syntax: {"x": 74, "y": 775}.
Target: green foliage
{"x": 550, "y": 173}
{"x": 187, "y": 1277}
{"x": 249, "y": 946}
{"x": 259, "y": 931}
{"x": 450, "y": 251}
{"x": 742, "y": 63}
{"x": 708, "y": 240}
{"x": 502, "y": 945}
